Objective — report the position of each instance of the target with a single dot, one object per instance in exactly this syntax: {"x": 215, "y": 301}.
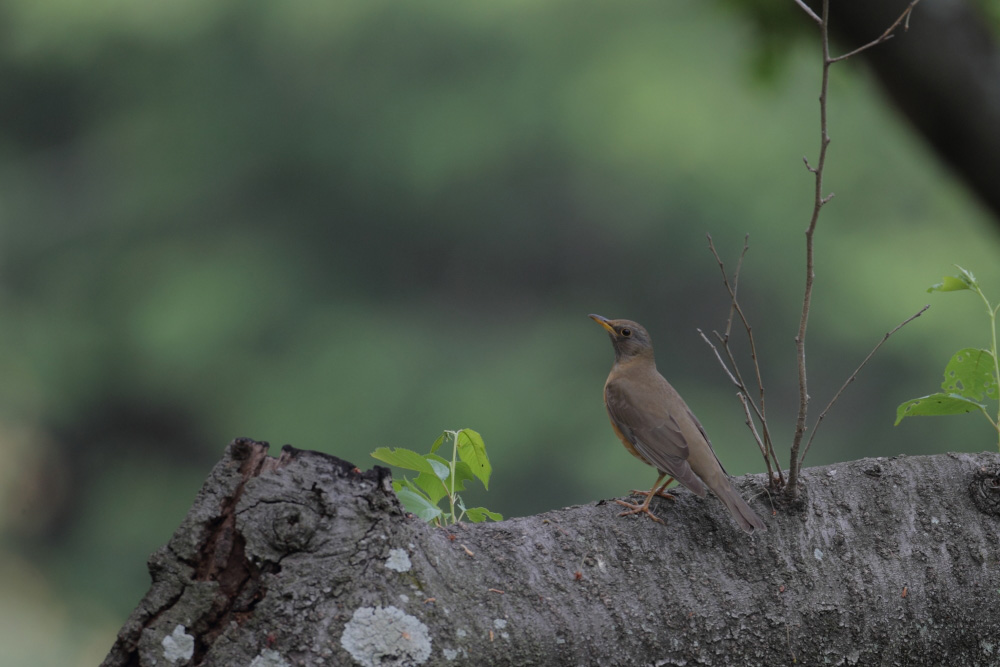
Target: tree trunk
{"x": 307, "y": 560}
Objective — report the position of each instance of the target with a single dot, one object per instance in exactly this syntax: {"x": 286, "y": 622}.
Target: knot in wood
{"x": 292, "y": 527}
{"x": 985, "y": 489}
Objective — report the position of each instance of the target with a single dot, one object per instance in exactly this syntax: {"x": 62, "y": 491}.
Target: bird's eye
{"x": 626, "y": 332}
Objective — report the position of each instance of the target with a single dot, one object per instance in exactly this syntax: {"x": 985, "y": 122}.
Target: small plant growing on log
{"x": 440, "y": 478}
{"x": 971, "y": 376}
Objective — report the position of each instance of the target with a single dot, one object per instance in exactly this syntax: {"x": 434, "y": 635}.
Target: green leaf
{"x": 967, "y": 276}
{"x": 400, "y": 484}
{"x": 418, "y": 505}
{"x": 970, "y": 374}
{"x": 472, "y": 450}
{"x": 964, "y": 280}
{"x": 480, "y": 514}
{"x": 462, "y": 472}
{"x": 403, "y": 458}
{"x": 415, "y": 487}
{"x": 937, "y": 404}
{"x": 949, "y": 284}
{"x": 431, "y": 485}
{"x": 438, "y": 442}
{"x": 441, "y": 468}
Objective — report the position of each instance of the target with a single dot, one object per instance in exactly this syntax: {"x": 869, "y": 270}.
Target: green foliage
{"x": 440, "y": 478}
{"x": 971, "y": 376}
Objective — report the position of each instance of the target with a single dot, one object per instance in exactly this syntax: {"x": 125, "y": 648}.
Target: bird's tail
{"x": 731, "y": 498}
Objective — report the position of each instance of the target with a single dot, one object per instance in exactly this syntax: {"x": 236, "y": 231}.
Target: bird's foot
{"x": 639, "y": 509}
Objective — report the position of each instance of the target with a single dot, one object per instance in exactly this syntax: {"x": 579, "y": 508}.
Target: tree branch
{"x": 305, "y": 559}
{"x": 734, "y": 307}
{"x": 819, "y": 200}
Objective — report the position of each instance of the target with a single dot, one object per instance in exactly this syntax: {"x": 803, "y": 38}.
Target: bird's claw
{"x": 637, "y": 509}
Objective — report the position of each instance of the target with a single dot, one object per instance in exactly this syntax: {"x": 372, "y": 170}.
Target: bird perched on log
{"x": 657, "y": 427}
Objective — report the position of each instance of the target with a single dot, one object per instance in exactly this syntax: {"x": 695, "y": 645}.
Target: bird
{"x": 658, "y": 428}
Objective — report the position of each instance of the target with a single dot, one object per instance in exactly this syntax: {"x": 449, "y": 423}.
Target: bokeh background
{"x": 346, "y": 225}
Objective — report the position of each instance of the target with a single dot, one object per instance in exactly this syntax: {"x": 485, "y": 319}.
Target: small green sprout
{"x": 440, "y": 478}
{"x": 971, "y": 376}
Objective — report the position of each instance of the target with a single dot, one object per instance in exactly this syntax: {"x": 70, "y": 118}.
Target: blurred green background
{"x": 345, "y": 225}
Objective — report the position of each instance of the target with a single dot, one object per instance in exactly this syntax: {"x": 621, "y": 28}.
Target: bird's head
{"x": 629, "y": 338}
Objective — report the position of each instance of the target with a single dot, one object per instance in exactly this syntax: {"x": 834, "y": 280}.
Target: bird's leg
{"x": 644, "y": 507}
{"x": 659, "y": 492}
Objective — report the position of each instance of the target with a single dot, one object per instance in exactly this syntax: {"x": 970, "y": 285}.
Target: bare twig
{"x": 736, "y": 278}
{"x": 734, "y": 375}
{"x": 737, "y": 379}
{"x": 820, "y": 200}
{"x": 904, "y": 19}
{"x": 753, "y": 429}
{"x": 808, "y": 10}
{"x": 734, "y": 305}
{"x": 721, "y": 362}
{"x": 736, "y": 309}
{"x": 855, "y": 375}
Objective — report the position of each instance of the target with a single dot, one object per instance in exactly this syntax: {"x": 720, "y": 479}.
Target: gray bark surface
{"x": 306, "y": 560}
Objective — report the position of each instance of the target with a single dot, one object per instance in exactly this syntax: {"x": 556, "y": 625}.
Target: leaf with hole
{"x": 969, "y": 373}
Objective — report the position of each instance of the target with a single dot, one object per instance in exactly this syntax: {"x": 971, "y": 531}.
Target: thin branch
{"x": 737, "y": 379}
{"x": 855, "y": 375}
{"x": 734, "y": 308}
{"x": 820, "y": 200}
{"x": 888, "y": 34}
{"x": 753, "y": 429}
{"x": 722, "y": 363}
{"x": 735, "y": 305}
{"x": 759, "y": 411}
{"x": 736, "y": 279}
{"x": 808, "y": 10}
{"x": 734, "y": 375}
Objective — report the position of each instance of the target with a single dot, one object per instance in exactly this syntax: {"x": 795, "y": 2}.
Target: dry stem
{"x": 759, "y": 408}
{"x": 819, "y": 200}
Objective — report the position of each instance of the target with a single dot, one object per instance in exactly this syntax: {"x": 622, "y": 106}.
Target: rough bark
{"x": 307, "y": 560}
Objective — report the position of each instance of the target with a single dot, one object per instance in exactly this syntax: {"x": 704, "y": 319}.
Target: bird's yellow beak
{"x": 603, "y": 321}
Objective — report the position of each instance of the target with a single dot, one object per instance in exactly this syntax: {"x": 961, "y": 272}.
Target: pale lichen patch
{"x": 386, "y": 635}
{"x": 178, "y": 646}
{"x": 398, "y": 560}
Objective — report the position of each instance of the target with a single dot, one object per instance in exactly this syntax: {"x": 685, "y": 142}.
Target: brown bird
{"x": 658, "y": 428}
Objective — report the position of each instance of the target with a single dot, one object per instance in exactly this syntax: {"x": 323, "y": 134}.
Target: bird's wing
{"x": 705, "y": 435}
{"x": 657, "y": 437}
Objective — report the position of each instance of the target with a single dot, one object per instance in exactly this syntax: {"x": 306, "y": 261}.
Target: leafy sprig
{"x": 440, "y": 478}
{"x": 972, "y": 376}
